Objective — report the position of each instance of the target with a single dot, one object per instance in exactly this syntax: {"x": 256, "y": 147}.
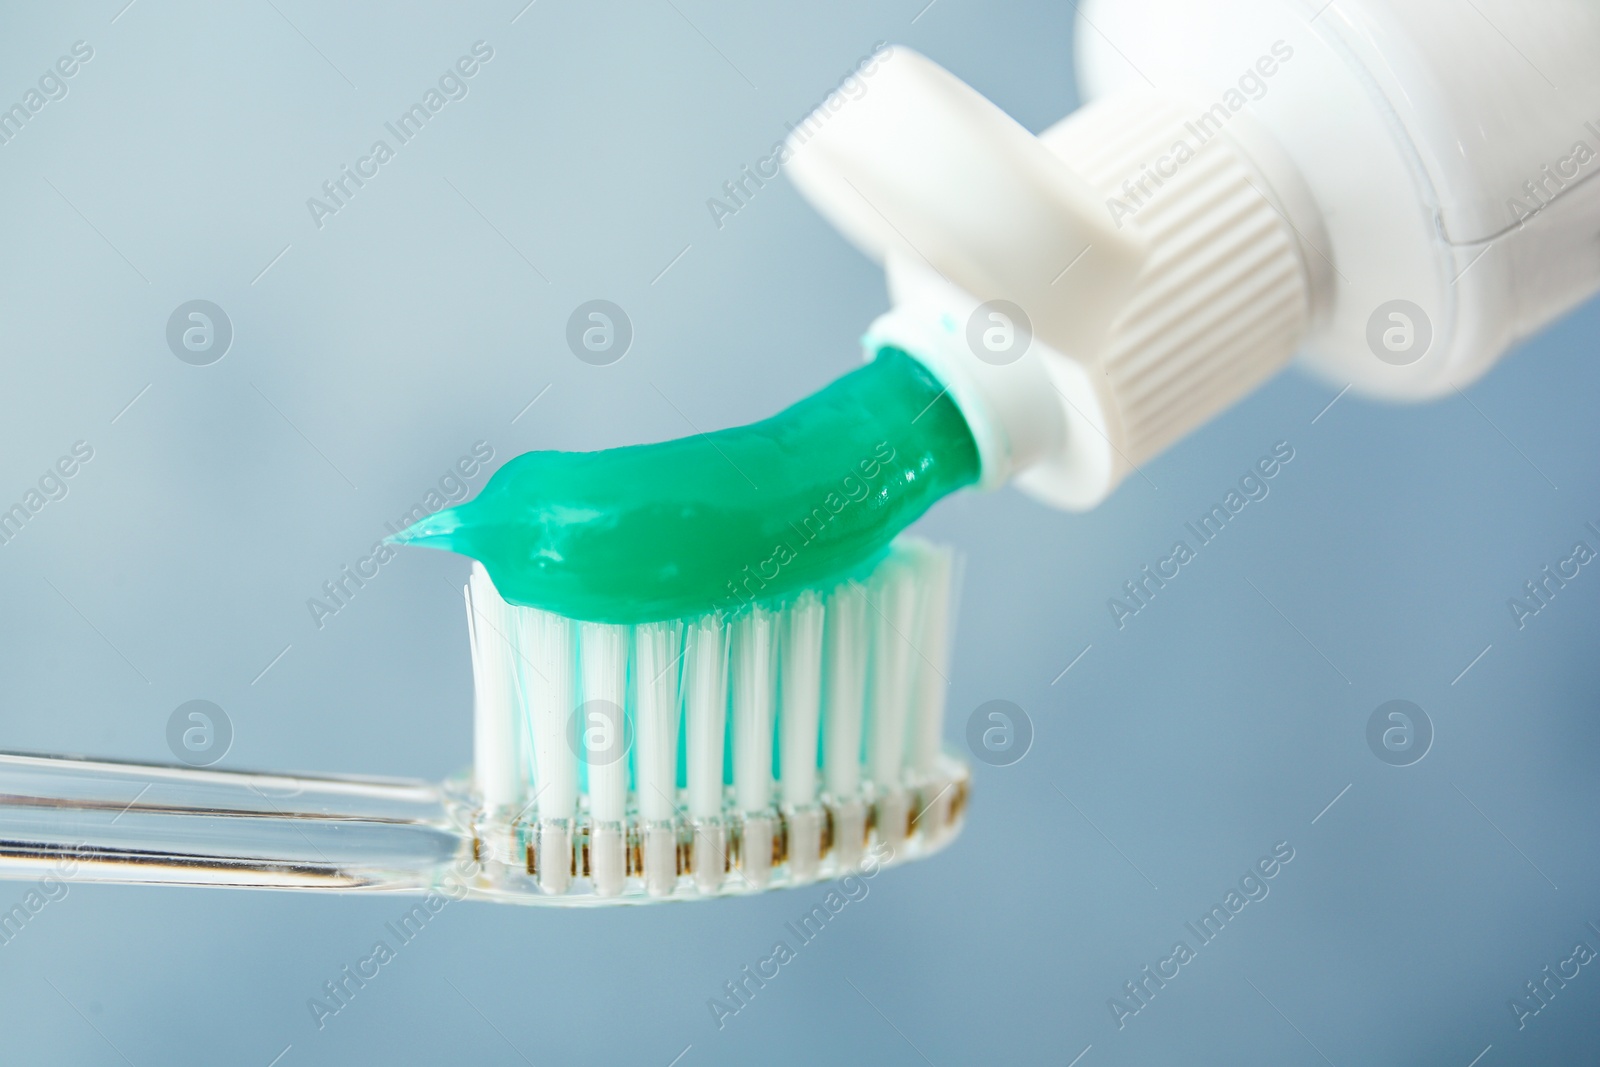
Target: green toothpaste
{"x": 718, "y": 521}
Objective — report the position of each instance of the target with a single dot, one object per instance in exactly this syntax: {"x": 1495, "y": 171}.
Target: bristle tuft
{"x": 723, "y": 752}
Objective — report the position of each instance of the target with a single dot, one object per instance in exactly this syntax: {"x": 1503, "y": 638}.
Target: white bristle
{"x": 800, "y": 675}
{"x": 656, "y": 694}
{"x": 751, "y": 661}
{"x": 603, "y": 662}
{"x": 892, "y": 598}
{"x": 751, "y": 657}
{"x": 892, "y": 604}
{"x": 547, "y": 662}
{"x": 546, "y": 666}
{"x": 705, "y": 699}
{"x": 751, "y": 664}
{"x": 655, "y": 682}
{"x": 705, "y": 689}
{"x": 602, "y": 739}
{"x": 850, "y": 676}
{"x": 497, "y": 703}
{"x": 931, "y": 665}
{"x": 845, "y": 639}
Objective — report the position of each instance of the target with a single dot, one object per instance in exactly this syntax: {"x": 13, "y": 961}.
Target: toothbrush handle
{"x": 102, "y": 821}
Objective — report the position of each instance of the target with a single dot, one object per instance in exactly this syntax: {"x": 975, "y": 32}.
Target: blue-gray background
{"x": 377, "y": 349}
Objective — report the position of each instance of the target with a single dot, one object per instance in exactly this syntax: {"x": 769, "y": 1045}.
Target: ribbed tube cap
{"x": 1140, "y": 248}
{"x": 1223, "y": 298}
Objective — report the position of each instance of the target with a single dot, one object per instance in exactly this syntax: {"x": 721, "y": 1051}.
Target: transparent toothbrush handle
{"x": 103, "y": 821}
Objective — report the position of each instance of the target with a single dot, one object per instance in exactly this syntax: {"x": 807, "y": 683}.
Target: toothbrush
{"x": 1208, "y": 222}
{"x": 601, "y": 805}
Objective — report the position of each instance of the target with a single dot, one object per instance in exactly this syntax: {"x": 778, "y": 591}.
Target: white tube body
{"x": 1398, "y": 190}
{"x": 1450, "y": 150}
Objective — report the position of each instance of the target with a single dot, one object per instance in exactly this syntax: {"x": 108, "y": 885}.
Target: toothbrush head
{"x": 773, "y": 745}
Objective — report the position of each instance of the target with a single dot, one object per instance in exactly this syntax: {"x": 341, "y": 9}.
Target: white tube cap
{"x": 1079, "y": 337}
